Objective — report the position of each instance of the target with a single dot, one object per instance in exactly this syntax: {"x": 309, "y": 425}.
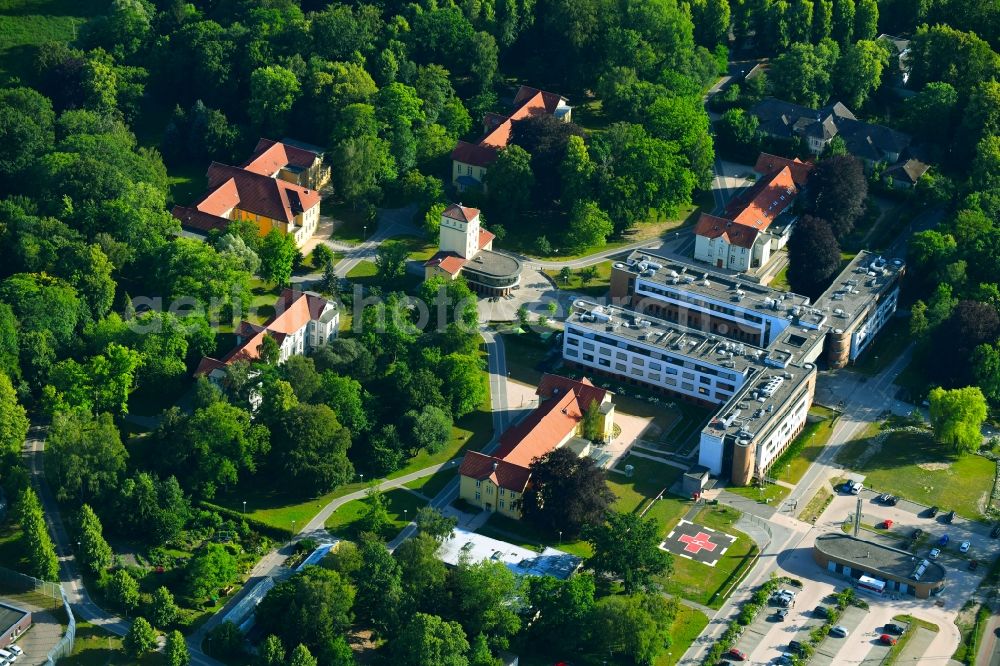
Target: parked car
{"x": 886, "y": 524}
{"x": 943, "y": 541}
{"x": 16, "y": 650}
{"x": 964, "y": 548}
{"x": 856, "y": 488}
{"x": 973, "y": 565}
{"x": 736, "y": 655}
{"x": 886, "y": 639}
{"x": 821, "y": 611}
{"x": 839, "y": 630}
{"x": 948, "y": 517}
{"x": 781, "y": 614}
{"x": 892, "y": 500}
{"x": 784, "y": 660}
{"x": 892, "y": 628}
{"x": 995, "y": 532}
{"x": 934, "y": 553}
{"x": 882, "y": 498}
{"x": 933, "y": 511}
{"x": 917, "y": 533}
{"x": 796, "y": 647}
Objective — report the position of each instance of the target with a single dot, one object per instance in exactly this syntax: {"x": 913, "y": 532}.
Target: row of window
{"x": 489, "y": 490}
{"x": 501, "y": 503}
{"x": 634, "y": 349}
{"x": 688, "y": 387}
{"x": 700, "y": 302}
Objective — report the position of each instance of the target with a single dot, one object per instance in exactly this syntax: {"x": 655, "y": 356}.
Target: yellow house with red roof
{"x": 498, "y": 482}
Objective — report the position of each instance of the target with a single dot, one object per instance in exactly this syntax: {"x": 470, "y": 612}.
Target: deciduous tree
{"x": 94, "y": 550}
{"x": 427, "y": 640}
{"x": 838, "y": 191}
{"x": 35, "y": 541}
{"x": 628, "y": 547}
{"x": 13, "y": 419}
{"x": 957, "y": 417}
{"x": 176, "y": 650}
{"x": 140, "y": 639}
{"x": 813, "y": 256}
{"x": 85, "y": 456}
{"x": 277, "y": 257}
{"x": 567, "y": 493}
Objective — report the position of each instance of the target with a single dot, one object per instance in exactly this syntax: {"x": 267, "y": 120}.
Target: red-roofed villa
{"x": 469, "y": 161}
{"x": 497, "y": 482}
{"x": 756, "y": 224}
{"x": 277, "y": 188}
{"x": 302, "y": 322}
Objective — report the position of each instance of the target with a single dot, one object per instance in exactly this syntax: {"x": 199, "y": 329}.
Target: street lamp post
{"x": 364, "y": 232}
{"x": 244, "y": 507}
{"x": 560, "y": 537}
{"x": 405, "y": 517}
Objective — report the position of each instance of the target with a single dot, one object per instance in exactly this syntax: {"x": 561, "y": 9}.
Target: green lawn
{"x": 364, "y": 271}
{"x": 801, "y": 453}
{"x": 525, "y": 351}
{"x": 688, "y": 625}
{"x": 648, "y": 479}
{"x": 402, "y": 506}
{"x": 699, "y": 582}
{"x": 354, "y": 226}
{"x": 916, "y": 467}
{"x": 187, "y": 183}
{"x": 780, "y": 281}
{"x": 420, "y": 249}
{"x": 262, "y": 305}
{"x": 26, "y": 25}
{"x": 817, "y": 505}
{"x": 430, "y": 486}
{"x": 95, "y": 647}
{"x": 596, "y": 287}
{"x": 525, "y": 535}
{"x": 771, "y": 493}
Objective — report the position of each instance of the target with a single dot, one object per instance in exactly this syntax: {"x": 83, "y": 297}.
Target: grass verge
{"x": 687, "y": 626}
{"x": 817, "y": 505}
{"x": 912, "y": 623}
{"x": 95, "y": 647}
{"x": 803, "y": 451}
{"x": 401, "y": 504}
{"x": 596, "y": 286}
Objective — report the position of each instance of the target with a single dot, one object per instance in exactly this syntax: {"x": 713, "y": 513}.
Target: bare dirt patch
{"x": 934, "y": 466}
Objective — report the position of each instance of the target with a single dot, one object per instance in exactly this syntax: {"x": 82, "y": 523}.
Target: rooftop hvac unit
{"x": 654, "y": 265}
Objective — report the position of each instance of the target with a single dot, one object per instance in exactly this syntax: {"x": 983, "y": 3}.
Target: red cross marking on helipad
{"x": 696, "y": 543}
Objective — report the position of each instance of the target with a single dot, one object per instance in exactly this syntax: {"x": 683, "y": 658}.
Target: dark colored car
{"x": 933, "y": 511}
{"x": 995, "y": 532}
{"x": 917, "y": 533}
{"x": 973, "y": 565}
{"x": 796, "y": 647}
{"x": 948, "y": 517}
{"x": 821, "y": 611}
{"x": 781, "y": 614}
{"x": 943, "y": 541}
{"x": 892, "y": 500}
{"x": 884, "y": 497}
{"x": 892, "y": 628}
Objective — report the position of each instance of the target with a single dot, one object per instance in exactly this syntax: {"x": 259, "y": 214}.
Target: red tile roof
{"x": 768, "y": 164}
{"x": 752, "y": 213}
{"x": 563, "y": 402}
{"x": 255, "y": 193}
{"x": 485, "y": 238}
{"x": 269, "y": 156}
{"x": 528, "y": 102}
{"x": 461, "y": 213}
{"x": 294, "y": 309}
{"x": 196, "y": 219}
{"x": 449, "y": 262}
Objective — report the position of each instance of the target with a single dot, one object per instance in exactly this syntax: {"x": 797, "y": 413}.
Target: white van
{"x": 856, "y": 488}
{"x": 8, "y": 657}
